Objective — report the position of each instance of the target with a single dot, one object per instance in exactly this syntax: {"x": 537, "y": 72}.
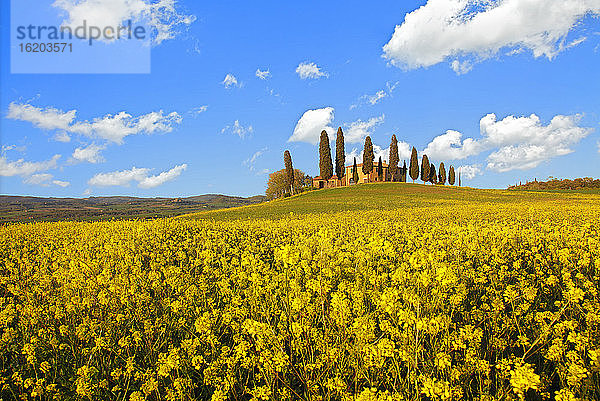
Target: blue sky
{"x": 431, "y": 72}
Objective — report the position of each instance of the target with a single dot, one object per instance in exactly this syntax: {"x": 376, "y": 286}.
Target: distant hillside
{"x": 556, "y": 184}
{"x": 29, "y": 209}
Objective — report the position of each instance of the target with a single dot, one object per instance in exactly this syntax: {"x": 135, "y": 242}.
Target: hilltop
{"x": 385, "y": 196}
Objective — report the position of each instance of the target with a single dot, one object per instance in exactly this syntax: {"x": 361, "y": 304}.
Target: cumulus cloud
{"x": 45, "y": 180}
{"x": 113, "y": 128}
{"x": 266, "y": 74}
{"x": 469, "y": 171}
{"x": 311, "y": 124}
{"x": 135, "y": 174}
{"x": 230, "y": 81}
{"x": 517, "y": 142}
{"x": 309, "y": 70}
{"x": 90, "y": 154}
{"x": 62, "y": 137}
{"x": 162, "y": 16}
{"x": 467, "y": 31}
{"x": 449, "y": 146}
{"x": 165, "y": 176}
{"x": 238, "y": 129}
{"x": 25, "y": 168}
{"x": 48, "y": 118}
{"x": 377, "y": 96}
{"x": 358, "y": 130}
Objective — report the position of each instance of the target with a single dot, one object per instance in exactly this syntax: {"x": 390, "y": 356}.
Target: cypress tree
{"x": 325, "y": 164}
{"x": 433, "y": 178}
{"x": 459, "y": 177}
{"x": 442, "y": 174}
{"x": 340, "y": 155}
{"x": 425, "y": 169}
{"x": 404, "y": 171}
{"x": 414, "y": 165}
{"x": 355, "y": 172}
{"x": 368, "y": 157}
{"x": 432, "y": 174}
{"x": 289, "y": 171}
{"x": 394, "y": 159}
{"x": 451, "y": 176}
{"x": 380, "y": 169}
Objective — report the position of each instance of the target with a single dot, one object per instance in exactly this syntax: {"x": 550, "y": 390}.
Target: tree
{"x": 277, "y": 185}
{"x": 394, "y": 159}
{"x": 340, "y": 154}
{"x": 442, "y": 174}
{"x": 404, "y": 171}
{"x": 289, "y": 171}
{"x": 380, "y": 169}
{"x": 425, "y": 169}
{"x": 368, "y": 157}
{"x": 459, "y": 183}
{"x": 433, "y": 178}
{"x": 451, "y": 176}
{"x": 355, "y": 172}
{"x": 414, "y": 165}
{"x": 325, "y": 164}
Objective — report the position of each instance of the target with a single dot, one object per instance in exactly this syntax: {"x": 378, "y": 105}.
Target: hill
{"x": 386, "y": 196}
{"x": 578, "y": 184}
{"x": 30, "y": 209}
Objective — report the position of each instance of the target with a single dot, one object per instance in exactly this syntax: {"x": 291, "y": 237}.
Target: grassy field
{"x": 390, "y": 196}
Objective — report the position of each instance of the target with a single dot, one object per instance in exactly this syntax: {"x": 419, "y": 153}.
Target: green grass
{"x": 386, "y": 196}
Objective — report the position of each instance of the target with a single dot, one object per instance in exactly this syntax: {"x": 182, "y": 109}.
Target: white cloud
{"x": 63, "y": 184}
{"x": 139, "y": 175}
{"x": 308, "y": 70}
{"x": 461, "y": 68}
{"x": 119, "y": 178}
{"x": 165, "y": 176}
{"x": 518, "y": 142}
{"x": 45, "y": 180}
{"x": 449, "y": 146}
{"x": 198, "y": 110}
{"x": 475, "y": 30}
{"x": 90, "y": 154}
{"x": 249, "y": 162}
{"x": 377, "y": 96}
{"x": 469, "y": 171}
{"x": 229, "y": 81}
{"x": 25, "y": 168}
{"x": 62, "y": 137}
{"x": 47, "y": 118}
{"x": 266, "y": 74}
{"x": 161, "y": 15}
{"x": 238, "y": 129}
{"x": 311, "y": 124}
{"x": 113, "y": 128}
{"x": 358, "y": 130}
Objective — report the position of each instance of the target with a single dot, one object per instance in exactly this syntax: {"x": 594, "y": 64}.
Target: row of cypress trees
{"x": 428, "y": 172}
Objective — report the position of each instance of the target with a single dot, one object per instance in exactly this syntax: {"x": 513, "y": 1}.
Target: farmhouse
{"x": 334, "y": 181}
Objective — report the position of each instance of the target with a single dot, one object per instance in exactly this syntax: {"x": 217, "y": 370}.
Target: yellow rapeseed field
{"x": 485, "y": 302}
